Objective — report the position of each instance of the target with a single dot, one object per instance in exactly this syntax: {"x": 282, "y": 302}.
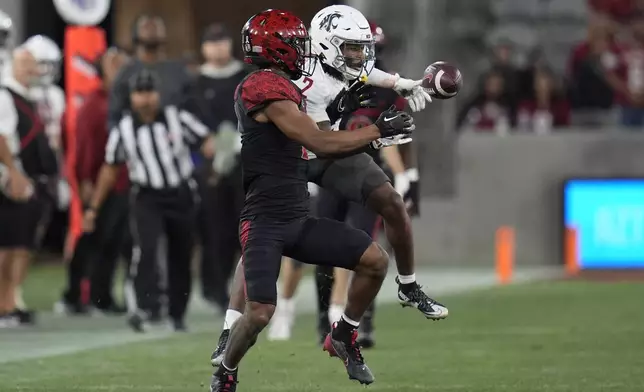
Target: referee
{"x": 155, "y": 144}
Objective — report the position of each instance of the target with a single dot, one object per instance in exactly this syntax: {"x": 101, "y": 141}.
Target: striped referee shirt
{"x": 157, "y": 154}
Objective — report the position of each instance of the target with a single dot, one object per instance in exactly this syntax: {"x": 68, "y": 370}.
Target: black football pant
{"x": 155, "y": 214}
{"x": 96, "y": 254}
{"x": 218, "y": 220}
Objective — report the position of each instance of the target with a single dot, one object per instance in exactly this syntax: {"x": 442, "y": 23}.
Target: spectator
{"x": 222, "y": 194}
{"x": 546, "y": 108}
{"x": 592, "y": 69}
{"x": 490, "y": 110}
{"x": 632, "y": 110}
{"x": 102, "y": 247}
{"x": 618, "y": 10}
{"x": 192, "y": 63}
{"x": 502, "y": 62}
{"x": 149, "y": 52}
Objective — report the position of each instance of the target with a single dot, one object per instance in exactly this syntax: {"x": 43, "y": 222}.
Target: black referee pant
{"x": 218, "y": 220}
{"x": 155, "y": 213}
{"x": 96, "y": 254}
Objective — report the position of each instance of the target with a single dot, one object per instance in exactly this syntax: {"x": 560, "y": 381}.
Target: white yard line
{"x": 57, "y": 335}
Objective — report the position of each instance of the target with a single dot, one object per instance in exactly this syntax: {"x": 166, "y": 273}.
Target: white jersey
{"x": 319, "y": 90}
{"x": 50, "y": 101}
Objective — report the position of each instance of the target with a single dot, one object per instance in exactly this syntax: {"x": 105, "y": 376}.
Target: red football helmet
{"x": 377, "y": 33}
{"x": 278, "y": 38}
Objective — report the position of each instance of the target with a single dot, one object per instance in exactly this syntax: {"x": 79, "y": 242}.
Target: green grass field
{"x": 555, "y": 336}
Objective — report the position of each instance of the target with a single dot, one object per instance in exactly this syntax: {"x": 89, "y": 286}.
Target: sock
{"x": 345, "y": 328}
{"x": 231, "y": 317}
{"x": 286, "y": 306}
{"x": 407, "y": 279}
{"x": 227, "y": 368}
{"x": 20, "y": 302}
{"x": 335, "y": 312}
{"x": 412, "y": 174}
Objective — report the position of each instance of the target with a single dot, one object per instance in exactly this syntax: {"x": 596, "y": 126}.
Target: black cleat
{"x": 224, "y": 380}
{"x": 24, "y": 317}
{"x": 412, "y": 295}
{"x": 137, "y": 322}
{"x": 218, "y": 355}
{"x": 349, "y": 353}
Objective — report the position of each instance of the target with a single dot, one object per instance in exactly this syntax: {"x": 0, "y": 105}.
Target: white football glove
{"x": 390, "y": 141}
{"x": 401, "y": 183}
{"x": 413, "y": 92}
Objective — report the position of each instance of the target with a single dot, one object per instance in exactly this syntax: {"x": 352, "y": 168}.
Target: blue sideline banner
{"x": 608, "y": 215}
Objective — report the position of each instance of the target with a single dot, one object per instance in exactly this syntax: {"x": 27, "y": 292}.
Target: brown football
{"x": 442, "y": 80}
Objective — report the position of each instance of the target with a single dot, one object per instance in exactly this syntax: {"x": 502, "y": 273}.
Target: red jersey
{"x": 274, "y": 170}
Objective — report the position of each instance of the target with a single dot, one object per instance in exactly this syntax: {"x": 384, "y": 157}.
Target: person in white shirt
{"x": 26, "y": 157}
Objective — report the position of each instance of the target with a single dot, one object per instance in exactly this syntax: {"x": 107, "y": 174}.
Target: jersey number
{"x": 309, "y": 82}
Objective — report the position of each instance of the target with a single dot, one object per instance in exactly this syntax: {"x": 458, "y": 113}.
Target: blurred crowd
{"x": 603, "y": 84}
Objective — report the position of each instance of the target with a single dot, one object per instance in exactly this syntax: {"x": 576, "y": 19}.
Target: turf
{"x": 557, "y": 336}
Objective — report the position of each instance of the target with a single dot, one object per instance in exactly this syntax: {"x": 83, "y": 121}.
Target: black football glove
{"x": 394, "y": 122}
{"x": 358, "y": 95}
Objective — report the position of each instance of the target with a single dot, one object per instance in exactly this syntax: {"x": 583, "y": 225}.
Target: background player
{"x": 274, "y": 126}
{"x": 343, "y": 44}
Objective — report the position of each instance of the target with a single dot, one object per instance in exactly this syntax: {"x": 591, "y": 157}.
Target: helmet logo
{"x": 328, "y": 22}
{"x": 247, "y": 46}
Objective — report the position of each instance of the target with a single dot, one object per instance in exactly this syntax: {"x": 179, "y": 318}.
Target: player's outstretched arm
{"x": 412, "y": 90}
{"x": 297, "y": 125}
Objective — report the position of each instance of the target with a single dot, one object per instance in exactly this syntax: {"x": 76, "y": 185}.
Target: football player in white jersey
{"x": 341, "y": 37}
{"x": 344, "y": 41}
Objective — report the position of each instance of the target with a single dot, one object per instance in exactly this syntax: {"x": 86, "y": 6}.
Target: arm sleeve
{"x": 8, "y": 115}
{"x": 264, "y": 87}
{"x": 114, "y": 151}
{"x": 381, "y": 78}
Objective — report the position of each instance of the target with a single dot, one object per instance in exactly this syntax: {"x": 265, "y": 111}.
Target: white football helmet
{"x": 342, "y": 37}
{"x": 49, "y": 58}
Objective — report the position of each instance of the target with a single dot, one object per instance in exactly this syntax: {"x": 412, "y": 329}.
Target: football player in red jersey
{"x": 275, "y": 219}
{"x": 342, "y": 42}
